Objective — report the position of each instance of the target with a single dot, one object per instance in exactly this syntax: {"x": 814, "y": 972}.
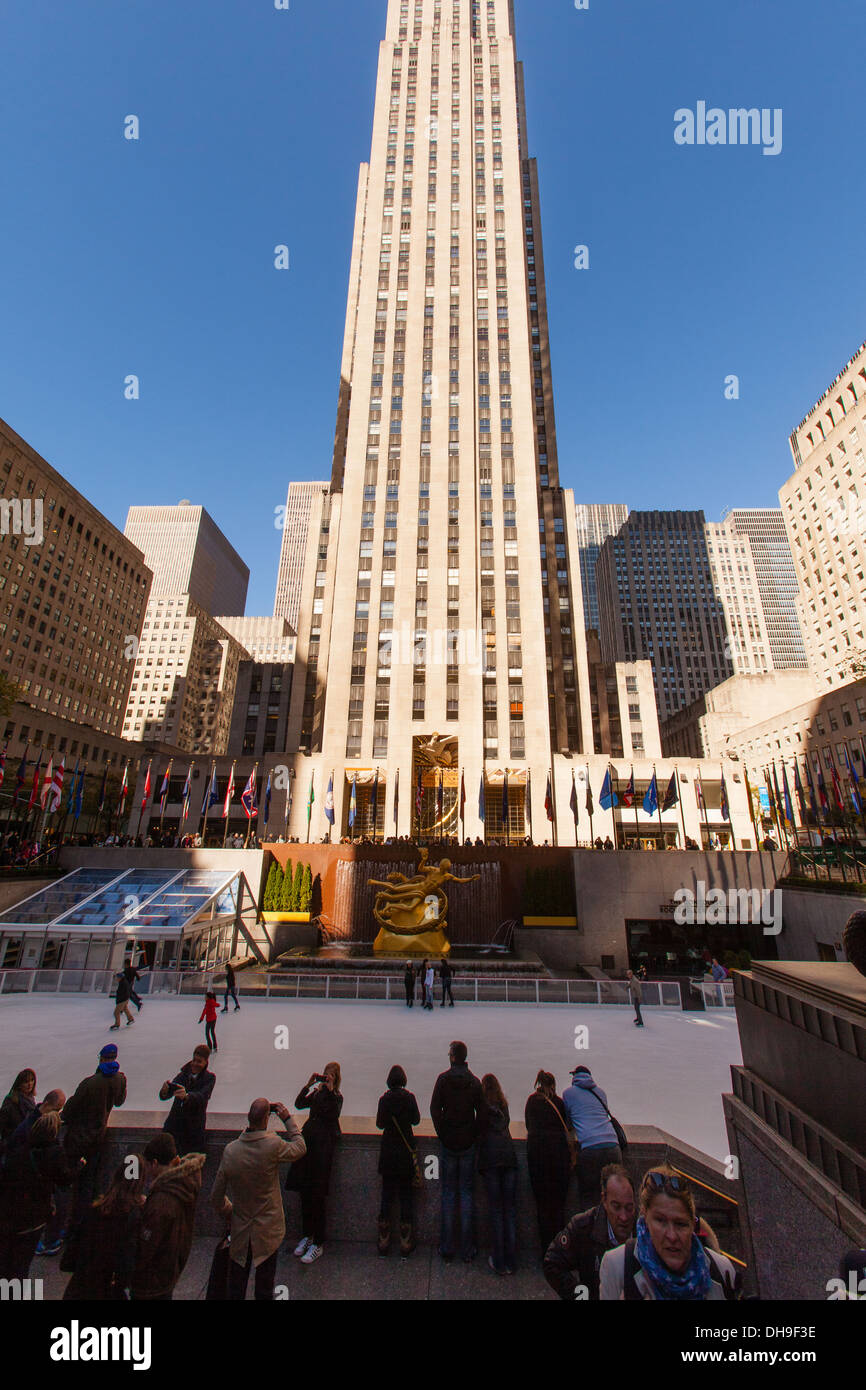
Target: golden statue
{"x": 413, "y": 912}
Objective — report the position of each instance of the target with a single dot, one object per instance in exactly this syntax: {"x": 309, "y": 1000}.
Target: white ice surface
{"x": 671, "y": 1073}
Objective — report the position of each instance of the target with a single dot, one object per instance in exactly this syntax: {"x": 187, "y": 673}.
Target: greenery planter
{"x": 550, "y": 921}
{"x": 285, "y": 916}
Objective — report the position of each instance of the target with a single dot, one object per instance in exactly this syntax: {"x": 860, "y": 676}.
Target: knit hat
{"x": 109, "y": 1052}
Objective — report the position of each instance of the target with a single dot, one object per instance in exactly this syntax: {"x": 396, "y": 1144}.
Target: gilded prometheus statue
{"x": 413, "y": 912}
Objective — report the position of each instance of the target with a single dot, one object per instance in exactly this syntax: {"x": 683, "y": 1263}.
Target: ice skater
{"x": 209, "y": 1014}
{"x": 121, "y": 1002}
{"x": 636, "y": 995}
{"x": 230, "y": 989}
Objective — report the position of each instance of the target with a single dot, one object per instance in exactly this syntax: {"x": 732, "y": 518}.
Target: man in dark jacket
{"x": 165, "y": 1235}
{"x": 446, "y": 974}
{"x": 588, "y": 1236}
{"x": 122, "y": 996}
{"x": 85, "y": 1115}
{"x": 31, "y": 1173}
{"x": 231, "y": 988}
{"x": 191, "y": 1090}
{"x": 455, "y": 1109}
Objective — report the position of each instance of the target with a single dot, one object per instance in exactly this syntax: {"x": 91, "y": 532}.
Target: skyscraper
{"x": 441, "y": 620}
{"x": 189, "y": 554}
{"x": 293, "y": 549}
{"x": 595, "y": 522}
{"x": 777, "y": 581}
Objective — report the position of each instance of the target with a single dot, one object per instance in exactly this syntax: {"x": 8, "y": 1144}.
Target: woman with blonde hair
{"x": 311, "y": 1175}
{"x": 30, "y": 1175}
{"x": 668, "y": 1261}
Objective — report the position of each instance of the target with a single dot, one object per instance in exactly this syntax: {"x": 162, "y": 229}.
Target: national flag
{"x": 505, "y": 801}
{"x": 789, "y": 808}
{"x": 651, "y": 800}
{"x": 311, "y": 798}
{"x": 780, "y": 804}
{"x": 186, "y": 794}
{"x": 813, "y": 800}
{"x": 79, "y": 795}
{"x": 55, "y": 791}
{"x": 268, "y": 800}
{"x": 230, "y": 794}
{"x": 482, "y": 807}
{"x": 699, "y": 797}
{"x": 211, "y": 792}
{"x": 396, "y": 796}
{"x": 462, "y": 795}
{"x": 572, "y": 800}
{"x": 101, "y": 804}
{"x": 124, "y": 790}
{"x": 34, "y": 790}
{"x": 375, "y": 807}
{"x": 823, "y": 802}
{"x": 70, "y": 795}
{"x": 723, "y": 800}
{"x": 628, "y": 796}
{"x": 855, "y": 783}
{"x": 146, "y": 796}
{"x": 163, "y": 791}
{"x": 800, "y": 790}
{"x": 607, "y": 797}
{"x": 329, "y": 801}
{"x": 548, "y": 799}
{"x": 3, "y": 762}
{"x": 837, "y": 790}
{"x": 47, "y": 781}
{"x": 353, "y": 803}
{"x": 20, "y": 776}
{"x": 527, "y": 800}
{"x": 672, "y": 797}
{"x": 249, "y": 797}
{"x": 589, "y": 804}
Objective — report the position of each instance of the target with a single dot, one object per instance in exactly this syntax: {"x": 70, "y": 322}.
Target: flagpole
{"x": 230, "y": 790}
{"x": 207, "y": 803}
{"x": 396, "y": 801}
{"x": 574, "y": 807}
{"x": 852, "y": 795}
{"x": 589, "y": 795}
{"x": 165, "y": 798}
{"x": 659, "y": 808}
{"x": 249, "y": 817}
{"x": 553, "y": 804}
{"x": 288, "y": 810}
{"x": 634, "y": 804}
{"x": 680, "y": 800}
{"x": 462, "y": 810}
{"x": 309, "y": 807}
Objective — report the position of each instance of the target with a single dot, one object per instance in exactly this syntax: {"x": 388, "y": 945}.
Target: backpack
{"x": 732, "y": 1288}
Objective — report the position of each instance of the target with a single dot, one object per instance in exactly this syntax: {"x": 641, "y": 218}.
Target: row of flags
{"x": 813, "y": 795}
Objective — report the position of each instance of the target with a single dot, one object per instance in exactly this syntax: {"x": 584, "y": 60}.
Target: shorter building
{"x": 263, "y": 639}
{"x": 260, "y": 717}
{"x": 595, "y": 523}
{"x": 710, "y": 726}
{"x": 189, "y": 554}
{"x": 625, "y": 720}
{"x": 293, "y": 551}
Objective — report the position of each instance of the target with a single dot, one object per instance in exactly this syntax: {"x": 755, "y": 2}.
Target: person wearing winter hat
{"x": 586, "y": 1108}
{"x": 85, "y": 1115}
{"x": 166, "y": 1230}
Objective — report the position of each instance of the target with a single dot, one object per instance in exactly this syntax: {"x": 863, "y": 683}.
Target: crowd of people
{"x": 132, "y": 1240}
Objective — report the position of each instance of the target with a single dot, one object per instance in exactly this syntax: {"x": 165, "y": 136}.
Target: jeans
{"x": 589, "y": 1165}
{"x": 210, "y": 1034}
{"x": 266, "y": 1273}
{"x": 446, "y": 990}
{"x": 637, "y": 1016}
{"x": 393, "y": 1188}
{"x": 428, "y": 996}
{"x": 410, "y": 996}
{"x": 501, "y": 1186}
{"x": 234, "y": 995}
{"x": 458, "y": 1183}
{"x": 314, "y": 1210}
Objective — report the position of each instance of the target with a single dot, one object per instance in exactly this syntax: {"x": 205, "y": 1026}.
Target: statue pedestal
{"x": 426, "y": 943}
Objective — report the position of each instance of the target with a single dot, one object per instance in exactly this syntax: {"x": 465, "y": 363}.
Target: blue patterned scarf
{"x": 108, "y": 1068}
{"x": 694, "y": 1281}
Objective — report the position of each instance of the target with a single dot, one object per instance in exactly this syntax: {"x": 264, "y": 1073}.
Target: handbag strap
{"x": 599, "y": 1099}
{"x": 401, "y": 1134}
{"x": 555, "y": 1109}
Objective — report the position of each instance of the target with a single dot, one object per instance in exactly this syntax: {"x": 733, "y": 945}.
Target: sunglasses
{"x": 660, "y": 1182}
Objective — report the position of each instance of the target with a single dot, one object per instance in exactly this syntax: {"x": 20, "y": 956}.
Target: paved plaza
{"x": 671, "y": 1073}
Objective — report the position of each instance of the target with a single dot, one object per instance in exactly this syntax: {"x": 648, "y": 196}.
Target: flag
{"x": 34, "y": 790}
{"x": 699, "y": 797}
{"x": 855, "y": 783}
{"x": 375, "y": 806}
{"x": 329, "y": 801}
{"x": 230, "y": 794}
{"x": 101, "y": 806}
{"x": 70, "y": 796}
{"x": 723, "y": 801}
{"x": 3, "y": 762}
{"x": 440, "y": 801}
{"x": 572, "y": 800}
{"x": 268, "y": 800}
{"x": 505, "y": 801}
{"x": 353, "y": 803}
{"x": 813, "y": 801}
{"x": 822, "y": 790}
{"x": 837, "y": 790}
{"x": 607, "y": 797}
{"x": 672, "y": 798}
{"x": 780, "y": 805}
{"x": 548, "y": 799}
{"x": 310, "y": 800}
{"x": 651, "y": 800}
{"x": 462, "y": 795}
{"x": 527, "y": 800}
{"x": 163, "y": 791}
{"x": 789, "y": 809}
{"x": 145, "y": 798}
{"x": 55, "y": 791}
{"x": 482, "y": 808}
{"x": 249, "y": 799}
{"x": 801, "y": 794}
{"x": 419, "y": 794}
{"x": 20, "y": 776}
{"x": 79, "y": 795}
{"x": 124, "y": 790}
{"x": 186, "y": 795}
{"x": 396, "y": 796}
{"x": 628, "y": 796}
{"x": 589, "y": 805}
{"x": 211, "y": 792}
{"x": 46, "y": 784}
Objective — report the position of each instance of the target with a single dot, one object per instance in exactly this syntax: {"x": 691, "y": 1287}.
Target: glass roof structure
{"x": 133, "y": 901}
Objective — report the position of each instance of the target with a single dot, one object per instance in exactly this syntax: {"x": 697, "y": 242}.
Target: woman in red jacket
{"x": 209, "y": 1014}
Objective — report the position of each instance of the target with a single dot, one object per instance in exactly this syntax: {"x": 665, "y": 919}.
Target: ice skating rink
{"x": 671, "y": 1073}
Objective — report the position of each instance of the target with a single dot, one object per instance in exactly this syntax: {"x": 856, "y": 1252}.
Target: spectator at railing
{"x": 396, "y": 1116}
{"x": 18, "y": 1104}
{"x": 550, "y": 1155}
{"x": 30, "y": 1175}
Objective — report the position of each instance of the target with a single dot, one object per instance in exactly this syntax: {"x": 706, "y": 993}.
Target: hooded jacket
{"x": 30, "y": 1175}
{"x": 455, "y": 1107}
{"x": 165, "y": 1235}
{"x": 587, "y": 1115}
{"x": 86, "y": 1112}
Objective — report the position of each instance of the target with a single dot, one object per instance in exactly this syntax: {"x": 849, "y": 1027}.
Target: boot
{"x": 407, "y": 1238}
{"x": 384, "y": 1243}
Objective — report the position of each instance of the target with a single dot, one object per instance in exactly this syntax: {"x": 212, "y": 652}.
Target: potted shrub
{"x": 285, "y": 899}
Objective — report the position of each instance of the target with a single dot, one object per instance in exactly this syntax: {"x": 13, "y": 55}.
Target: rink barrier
{"x": 467, "y": 989}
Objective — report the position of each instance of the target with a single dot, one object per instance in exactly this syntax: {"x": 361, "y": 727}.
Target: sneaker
{"x": 302, "y": 1246}
{"x": 314, "y": 1253}
{"x": 53, "y": 1249}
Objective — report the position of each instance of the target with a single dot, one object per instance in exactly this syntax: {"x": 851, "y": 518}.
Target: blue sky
{"x": 156, "y": 257}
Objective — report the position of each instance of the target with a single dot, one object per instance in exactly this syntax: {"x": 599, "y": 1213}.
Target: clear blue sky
{"x": 156, "y": 257}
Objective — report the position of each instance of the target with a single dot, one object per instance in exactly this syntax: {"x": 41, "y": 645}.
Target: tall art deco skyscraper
{"x": 441, "y": 630}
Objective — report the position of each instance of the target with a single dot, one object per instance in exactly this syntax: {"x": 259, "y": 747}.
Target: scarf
{"x": 694, "y": 1281}
{"x": 108, "y": 1068}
